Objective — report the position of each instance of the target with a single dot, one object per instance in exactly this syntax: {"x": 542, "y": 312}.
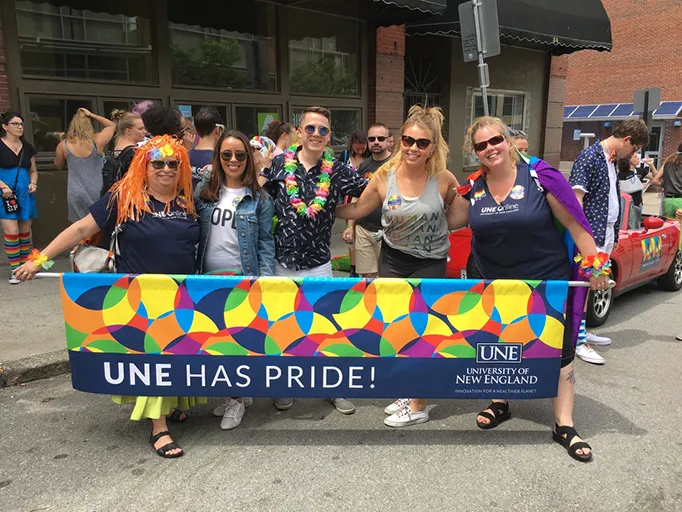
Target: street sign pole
{"x": 483, "y": 74}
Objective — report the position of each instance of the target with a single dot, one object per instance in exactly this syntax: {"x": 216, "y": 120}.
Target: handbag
{"x": 87, "y": 258}
{"x": 11, "y": 203}
{"x": 631, "y": 185}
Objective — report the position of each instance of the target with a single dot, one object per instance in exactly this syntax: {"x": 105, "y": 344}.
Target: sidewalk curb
{"x": 28, "y": 369}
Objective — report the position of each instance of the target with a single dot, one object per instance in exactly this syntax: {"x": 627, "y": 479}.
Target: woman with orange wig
{"x": 153, "y": 208}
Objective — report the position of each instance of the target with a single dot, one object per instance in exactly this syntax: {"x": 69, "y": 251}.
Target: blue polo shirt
{"x": 591, "y": 173}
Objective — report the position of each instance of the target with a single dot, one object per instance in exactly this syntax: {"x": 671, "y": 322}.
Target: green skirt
{"x": 153, "y": 407}
{"x": 670, "y": 206}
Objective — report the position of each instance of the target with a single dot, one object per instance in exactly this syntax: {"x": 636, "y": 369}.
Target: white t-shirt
{"x": 222, "y": 247}
{"x": 614, "y": 204}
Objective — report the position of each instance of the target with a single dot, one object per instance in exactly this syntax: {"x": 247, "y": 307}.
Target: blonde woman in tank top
{"x": 81, "y": 153}
{"x": 412, "y": 188}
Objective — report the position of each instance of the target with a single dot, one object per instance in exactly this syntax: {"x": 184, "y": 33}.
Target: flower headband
{"x": 160, "y": 152}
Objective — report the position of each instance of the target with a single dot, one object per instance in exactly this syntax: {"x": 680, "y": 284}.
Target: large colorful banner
{"x": 157, "y": 335}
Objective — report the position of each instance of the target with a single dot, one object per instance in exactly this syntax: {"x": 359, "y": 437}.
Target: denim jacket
{"x": 254, "y": 225}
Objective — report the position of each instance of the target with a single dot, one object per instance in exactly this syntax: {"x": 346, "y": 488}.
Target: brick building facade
{"x": 646, "y": 54}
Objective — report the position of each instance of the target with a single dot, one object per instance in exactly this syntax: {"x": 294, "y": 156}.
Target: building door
{"x": 655, "y": 146}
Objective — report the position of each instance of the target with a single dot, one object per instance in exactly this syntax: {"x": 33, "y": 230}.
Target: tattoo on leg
{"x": 571, "y": 377}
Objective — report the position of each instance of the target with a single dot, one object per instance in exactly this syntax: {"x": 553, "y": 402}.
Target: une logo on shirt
{"x": 503, "y": 208}
{"x": 394, "y": 202}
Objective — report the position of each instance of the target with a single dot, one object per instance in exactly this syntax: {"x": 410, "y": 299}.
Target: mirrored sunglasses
{"x": 322, "y": 130}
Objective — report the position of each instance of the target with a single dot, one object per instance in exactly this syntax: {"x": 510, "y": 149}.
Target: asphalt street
{"x": 63, "y": 450}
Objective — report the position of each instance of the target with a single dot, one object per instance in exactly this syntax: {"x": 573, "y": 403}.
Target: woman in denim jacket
{"x": 235, "y": 216}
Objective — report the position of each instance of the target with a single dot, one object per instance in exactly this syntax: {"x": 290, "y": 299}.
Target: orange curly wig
{"x": 130, "y": 193}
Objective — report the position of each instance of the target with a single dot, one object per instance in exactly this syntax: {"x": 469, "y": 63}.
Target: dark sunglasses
{"x": 380, "y": 139}
{"x": 408, "y": 142}
{"x": 322, "y": 130}
{"x": 160, "y": 164}
{"x": 495, "y": 141}
{"x": 227, "y": 155}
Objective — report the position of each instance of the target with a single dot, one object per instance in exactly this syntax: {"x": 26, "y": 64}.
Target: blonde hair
{"x": 497, "y": 125}
{"x": 124, "y": 120}
{"x": 430, "y": 119}
{"x": 80, "y": 129}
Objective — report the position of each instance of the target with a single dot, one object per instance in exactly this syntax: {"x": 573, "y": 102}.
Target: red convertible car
{"x": 647, "y": 250}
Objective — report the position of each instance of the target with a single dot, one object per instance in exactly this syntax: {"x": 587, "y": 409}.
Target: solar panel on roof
{"x": 569, "y": 110}
{"x": 669, "y": 108}
{"x": 583, "y": 111}
{"x": 623, "y": 110}
{"x": 604, "y": 110}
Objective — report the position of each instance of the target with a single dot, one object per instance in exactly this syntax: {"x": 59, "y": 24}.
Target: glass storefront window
{"x": 242, "y": 58}
{"x": 50, "y": 117}
{"x": 323, "y": 54}
{"x": 507, "y": 106}
{"x": 62, "y": 41}
{"x": 255, "y": 120}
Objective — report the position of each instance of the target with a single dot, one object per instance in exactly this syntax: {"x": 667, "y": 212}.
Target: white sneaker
{"x": 406, "y": 417}
{"x": 678, "y": 337}
{"x": 13, "y": 280}
{"x": 396, "y": 406}
{"x": 598, "y": 340}
{"x": 219, "y": 411}
{"x": 587, "y": 354}
{"x": 234, "y": 412}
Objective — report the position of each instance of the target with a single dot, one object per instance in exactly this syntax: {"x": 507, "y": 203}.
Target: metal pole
{"x": 481, "y": 64}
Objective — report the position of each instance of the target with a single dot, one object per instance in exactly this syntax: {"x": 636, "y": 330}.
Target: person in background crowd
{"x": 141, "y": 107}
{"x": 412, "y": 189}
{"x": 635, "y": 168}
{"x": 129, "y": 133}
{"x": 280, "y": 133}
{"x": 519, "y": 139}
{"x": 190, "y": 133}
{"x": 356, "y": 153}
{"x": 236, "y": 229}
{"x": 160, "y": 120}
{"x": 595, "y": 181}
{"x": 366, "y": 232}
{"x": 208, "y": 126}
{"x": 81, "y": 153}
{"x": 306, "y": 183}
{"x": 18, "y": 180}
{"x": 532, "y": 245}
{"x": 151, "y": 242}
{"x": 670, "y": 178}
{"x": 262, "y": 151}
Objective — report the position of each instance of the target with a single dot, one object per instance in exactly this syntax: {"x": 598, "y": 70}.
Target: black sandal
{"x": 163, "y": 451}
{"x": 176, "y": 416}
{"x": 500, "y": 414}
{"x": 570, "y": 433}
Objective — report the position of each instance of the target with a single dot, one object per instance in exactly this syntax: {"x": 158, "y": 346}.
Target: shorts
{"x": 324, "y": 270}
{"x": 367, "y": 251}
{"x": 567, "y": 348}
{"x": 395, "y": 263}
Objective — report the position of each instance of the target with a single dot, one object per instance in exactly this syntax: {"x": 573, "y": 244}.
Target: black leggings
{"x": 567, "y": 348}
{"x": 395, "y": 263}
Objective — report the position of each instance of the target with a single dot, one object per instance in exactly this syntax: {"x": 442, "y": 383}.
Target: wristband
{"x": 596, "y": 265}
{"x": 40, "y": 259}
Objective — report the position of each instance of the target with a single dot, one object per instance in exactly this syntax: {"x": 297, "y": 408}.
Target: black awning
{"x": 556, "y": 26}
{"x": 396, "y": 12}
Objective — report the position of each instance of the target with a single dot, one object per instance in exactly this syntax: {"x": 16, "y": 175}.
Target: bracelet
{"x": 34, "y": 184}
{"x": 40, "y": 259}
{"x": 596, "y": 265}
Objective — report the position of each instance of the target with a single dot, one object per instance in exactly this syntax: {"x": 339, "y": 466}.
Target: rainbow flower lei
{"x": 322, "y": 190}
{"x": 594, "y": 266}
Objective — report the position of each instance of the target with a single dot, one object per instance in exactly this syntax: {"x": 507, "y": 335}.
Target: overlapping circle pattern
{"x": 158, "y": 314}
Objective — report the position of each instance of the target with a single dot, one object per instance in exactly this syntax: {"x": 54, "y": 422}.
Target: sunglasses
{"x": 160, "y": 164}
{"x": 227, "y": 155}
{"x": 495, "y": 141}
{"x": 380, "y": 139}
{"x": 408, "y": 142}
{"x": 322, "y": 130}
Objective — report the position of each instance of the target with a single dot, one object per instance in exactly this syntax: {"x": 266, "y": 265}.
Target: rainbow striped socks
{"x": 24, "y": 246}
{"x": 13, "y": 250}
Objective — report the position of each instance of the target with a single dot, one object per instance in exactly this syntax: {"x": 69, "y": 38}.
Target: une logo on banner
{"x": 501, "y": 353}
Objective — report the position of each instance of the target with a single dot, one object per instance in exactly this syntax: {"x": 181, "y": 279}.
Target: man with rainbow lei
{"x": 306, "y": 183}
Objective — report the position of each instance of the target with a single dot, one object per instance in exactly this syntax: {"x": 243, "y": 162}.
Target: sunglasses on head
{"x": 408, "y": 142}
{"x": 227, "y": 155}
{"x": 494, "y": 141}
{"x": 322, "y": 130}
{"x": 380, "y": 139}
{"x": 160, "y": 164}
